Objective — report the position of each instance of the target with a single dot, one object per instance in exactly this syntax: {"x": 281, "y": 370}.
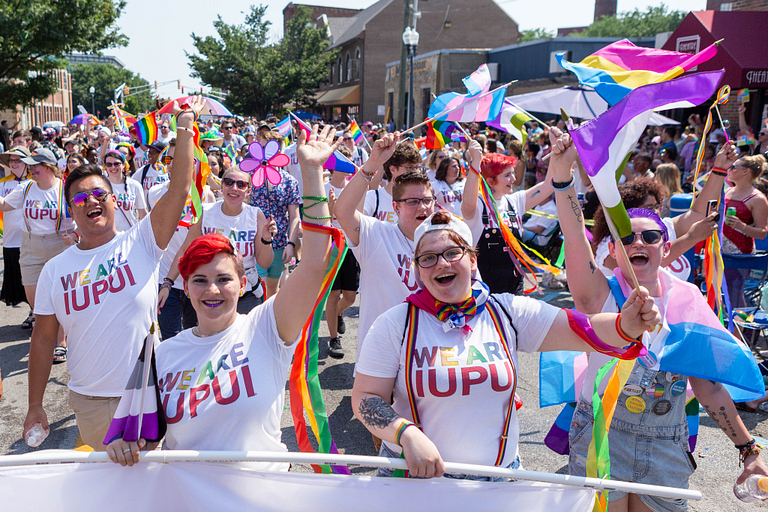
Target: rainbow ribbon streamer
{"x": 202, "y": 171}
{"x": 517, "y": 249}
{"x": 598, "y": 457}
{"x": 1, "y": 223}
{"x": 306, "y": 393}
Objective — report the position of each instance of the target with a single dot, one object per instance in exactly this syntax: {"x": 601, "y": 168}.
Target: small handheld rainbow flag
{"x": 146, "y": 129}
{"x": 357, "y": 135}
{"x": 337, "y": 161}
{"x": 441, "y": 133}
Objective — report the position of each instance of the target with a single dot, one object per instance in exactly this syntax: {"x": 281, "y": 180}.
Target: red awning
{"x": 742, "y": 53}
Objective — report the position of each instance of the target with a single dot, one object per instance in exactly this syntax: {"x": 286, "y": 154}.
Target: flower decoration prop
{"x": 263, "y": 162}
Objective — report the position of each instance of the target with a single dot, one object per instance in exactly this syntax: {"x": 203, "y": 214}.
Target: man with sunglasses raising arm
{"x": 103, "y": 292}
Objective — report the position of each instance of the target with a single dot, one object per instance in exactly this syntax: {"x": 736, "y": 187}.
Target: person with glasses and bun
{"x": 131, "y": 204}
{"x": 649, "y": 427}
{"x": 448, "y": 356}
{"x": 246, "y": 226}
{"x": 103, "y": 291}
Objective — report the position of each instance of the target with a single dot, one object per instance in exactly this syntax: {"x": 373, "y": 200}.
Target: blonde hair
{"x": 755, "y": 163}
{"x": 669, "y": 177}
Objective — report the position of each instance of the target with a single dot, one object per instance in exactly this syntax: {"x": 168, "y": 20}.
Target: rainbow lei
{"x": 306, "y": 393}
{"x": 517, "y": 249}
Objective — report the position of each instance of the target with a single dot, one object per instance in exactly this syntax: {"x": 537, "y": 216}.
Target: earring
{"x": 241, "y": 293}
{"x": 187, "y": 294}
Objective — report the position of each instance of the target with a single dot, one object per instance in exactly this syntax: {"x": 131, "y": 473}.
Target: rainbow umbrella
{"x": 212, "y": 107}
{"x": 84, "y": 119}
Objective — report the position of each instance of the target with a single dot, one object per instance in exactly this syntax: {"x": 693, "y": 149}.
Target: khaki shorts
{"x": 93, "y": 415}
{"x": 36, "y": 250}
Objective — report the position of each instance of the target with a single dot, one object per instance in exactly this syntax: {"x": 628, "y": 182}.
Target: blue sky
{"x": 158, "y": 40}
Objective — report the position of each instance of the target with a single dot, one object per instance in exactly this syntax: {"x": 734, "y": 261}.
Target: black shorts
{"x": 348, "y": 277}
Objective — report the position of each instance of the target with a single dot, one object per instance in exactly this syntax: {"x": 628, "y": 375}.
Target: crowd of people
{"x": 96, "y": 242}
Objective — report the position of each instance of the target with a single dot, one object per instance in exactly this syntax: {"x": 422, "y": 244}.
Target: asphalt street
{"x": 716, "y": 458}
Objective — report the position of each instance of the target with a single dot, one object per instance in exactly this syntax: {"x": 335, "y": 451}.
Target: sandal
{"x": 742, "y": 406}
{"x": 29, "y": 323}
{"x": 59, "y": 355}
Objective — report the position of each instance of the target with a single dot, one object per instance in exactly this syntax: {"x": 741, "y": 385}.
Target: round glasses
{"x": 451, "y": 254}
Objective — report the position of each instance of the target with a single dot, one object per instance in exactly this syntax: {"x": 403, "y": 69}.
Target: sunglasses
{"x": 650, "y": 237}
{"x": 229, "y": 182}
{"x": 113, "y": 164}
{"x": 167, "y": 159}
{"x": 226, "y": 127}
{"x": 81, "y": 198}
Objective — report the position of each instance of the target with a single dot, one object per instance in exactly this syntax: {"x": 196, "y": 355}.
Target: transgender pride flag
{"x": 479, "y": 105}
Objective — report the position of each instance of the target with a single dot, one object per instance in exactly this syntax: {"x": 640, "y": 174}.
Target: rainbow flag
{"x": 146, "y": 129}
{"x": 357, "y": 134}
{"x": 605, "y": 143}
{"x": 621, "y": 67}
{"x": 304, "y": 382}
{"x": 337, "y": 161}
{"x": 441, "y": 133}
{"x": 202, "y": 171}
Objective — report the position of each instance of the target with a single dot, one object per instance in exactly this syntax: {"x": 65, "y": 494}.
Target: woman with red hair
{"x": 494, "y": 263}
{"x": 222, "y": 382}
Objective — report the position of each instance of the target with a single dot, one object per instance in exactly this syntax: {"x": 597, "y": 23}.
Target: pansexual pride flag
{"x": 441, "y": 133}
{"x": 357, "y": 134}
{"x": 146, "y": 129}
{"x": 605, "y": 142}
{"x": 620, "y": 67}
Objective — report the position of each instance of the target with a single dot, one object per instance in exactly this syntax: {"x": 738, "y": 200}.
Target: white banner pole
{"x": 166, "y": 456}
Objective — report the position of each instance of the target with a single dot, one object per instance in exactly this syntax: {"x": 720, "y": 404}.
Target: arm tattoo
{"x": 376, "y": 412}
{"x": 535, "y": 193}
{"x": 576, "y": 208}
{"x": 722, "y": 420}
{"x": 592, "y": 266}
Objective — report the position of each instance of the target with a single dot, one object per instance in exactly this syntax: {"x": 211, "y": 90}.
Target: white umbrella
{"x": 54, "y": 124}
{"x": 577, "y": 101}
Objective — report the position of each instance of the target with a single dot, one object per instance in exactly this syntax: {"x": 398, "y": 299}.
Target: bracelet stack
{"x": 167, "y": 283}
{"x": 318, "y": 200}
{"x": 368, "y": 177}
{"x": 745, "y": 450}
{"x": 404, "y": 425}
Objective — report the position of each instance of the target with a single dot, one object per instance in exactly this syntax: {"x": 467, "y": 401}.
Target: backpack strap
{"x": 376, "y": 210}
{"x": 144, "y": 172}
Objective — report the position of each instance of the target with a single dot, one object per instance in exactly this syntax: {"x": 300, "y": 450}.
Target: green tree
{"x": 34, "y": 35}
{"x": 105, "y": 78}
{"x": 635, "y": 23}
{"x": 261, "y": 77}
{"x": 534, "y": 35}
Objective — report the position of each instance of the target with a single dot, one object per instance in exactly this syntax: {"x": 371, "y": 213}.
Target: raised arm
{"x": 297, "y": 296}
{"x": 588, "y": 285}
{"x": 346, "y": 204}
{"x": 472, "y": 186}
{"x": 166, "y": 213}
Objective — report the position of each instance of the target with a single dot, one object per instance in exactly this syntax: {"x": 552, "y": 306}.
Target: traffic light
{"x": 126, "y": 90}
{"x": 182, "y": 90}
{"x": 178, "y": 84}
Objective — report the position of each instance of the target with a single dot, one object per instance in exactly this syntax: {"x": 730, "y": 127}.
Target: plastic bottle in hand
{"x": 36, "y": 435}
{"x": 754, "y": 488}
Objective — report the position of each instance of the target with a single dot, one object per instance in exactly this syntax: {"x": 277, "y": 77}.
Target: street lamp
{"x": 92, "y": 90}
{"x": 411, "y": 41}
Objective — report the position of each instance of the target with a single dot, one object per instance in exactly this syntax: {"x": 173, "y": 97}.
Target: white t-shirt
{"x": 104, "y": 299}
{"x": 462, "y": 385}
{"x": 12, "y": 219}
{"x": 548, "y": 224}
{"x": 449, "y": 196}
{"x": 156, "y": 174}
{"x": 243, "y": 230}
{"x": 40, "y": 208}
{"x": 680, "y": 268}
{"x": 171, "y": 135}
{"x": 511, "y": 209}
{"x": 130, "y": 197}
{"x": 385, "y": 211}
{"x": 226, "y": 392}
{"x": 293, "y": 168}
{"x": 387, "y": 275}
{"x": 337, "y": 191}
{"x": 177, "y": 240}
{"x": 359, "y": 156}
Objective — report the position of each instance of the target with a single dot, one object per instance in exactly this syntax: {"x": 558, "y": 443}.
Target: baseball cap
{"x": 21, "y": 151}
{"x": 158, "y": 146}
{"x": 41, "y": 156}
{"x": 456, "y": 225}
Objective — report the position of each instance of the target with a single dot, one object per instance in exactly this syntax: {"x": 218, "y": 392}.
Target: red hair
{"x": 202, "y": 250}
{"x": 494, "y": 164}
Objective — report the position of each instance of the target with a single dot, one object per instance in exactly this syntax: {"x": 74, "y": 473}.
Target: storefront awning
{"x": 341, "y": 96}
{"x": 742, "y": 57}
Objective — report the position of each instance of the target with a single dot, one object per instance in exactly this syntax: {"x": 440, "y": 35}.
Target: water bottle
{"x": 754, "y": 488}
{"x": 35, "y": 436}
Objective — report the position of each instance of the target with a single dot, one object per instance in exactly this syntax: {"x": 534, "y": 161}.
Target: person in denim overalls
{"x": 648, "y": 434}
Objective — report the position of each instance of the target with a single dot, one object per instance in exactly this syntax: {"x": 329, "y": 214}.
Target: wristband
{"x": 165, "y": 285}
{"x": 266, "y": 242}
{"x": 404, "y": 425}
{"x": 561, "y": 185}
{"x": 290, "y": 243}
{"x": 720, "y": 172}
{"x": 190, "y": 130}
{"x": 168, "y": 280}
{"x": 317, "y": 200}
{"x": 624, "y": 335}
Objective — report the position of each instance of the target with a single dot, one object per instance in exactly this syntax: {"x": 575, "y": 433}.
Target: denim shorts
{"x": 275, "y": 270}
{"x": 654, "y": 455}
{"x": 384, "y": 451}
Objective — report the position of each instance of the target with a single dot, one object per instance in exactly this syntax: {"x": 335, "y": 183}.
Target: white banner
{"x": 149, "y": 486}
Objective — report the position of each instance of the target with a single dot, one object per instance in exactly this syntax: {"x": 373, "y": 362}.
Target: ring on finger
{"x": 127, "y": 450}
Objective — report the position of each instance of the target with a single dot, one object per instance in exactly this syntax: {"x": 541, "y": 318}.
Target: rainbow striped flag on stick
{"x": 146, "y": 129}
{"x": 357, "y": 134}
{"x": 441, "y": 133}
{"x": 621, "y": 67}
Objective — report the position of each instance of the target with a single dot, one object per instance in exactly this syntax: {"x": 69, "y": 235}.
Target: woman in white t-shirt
{"x": 47, "y": 227}
{"x": 13, "y": 291}
{"x": 449, "y": 357}
{"x": 234, "y": 366}
{"x": 131, "y": 202}
{"x": 244, "y": 225}
{"x": 449, "y": 185}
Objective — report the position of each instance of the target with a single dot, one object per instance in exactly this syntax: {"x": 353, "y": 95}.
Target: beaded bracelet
{"x": 318, "y": 200}
{"x": 745, "y": 450}
{"x": 404, "y": 425}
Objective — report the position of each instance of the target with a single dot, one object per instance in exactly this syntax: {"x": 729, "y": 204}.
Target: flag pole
{"x": 619, "y": 247}
{"x": 445, "y": 112}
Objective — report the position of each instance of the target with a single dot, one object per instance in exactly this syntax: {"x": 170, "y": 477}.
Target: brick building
{"x": 737, "y": 5}
{"x": 370, "y": 39}
{"x": 56, "y": 107}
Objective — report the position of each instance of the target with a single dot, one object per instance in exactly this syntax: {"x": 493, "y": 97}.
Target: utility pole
{"x": 400, "y": 117}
